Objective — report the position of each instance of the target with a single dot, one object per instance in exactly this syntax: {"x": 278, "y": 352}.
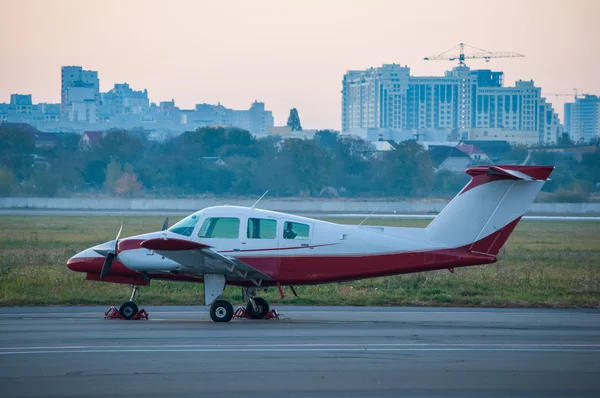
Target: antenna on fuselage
{"x": 367, "y": 217}
{"x": 263, "y": 195}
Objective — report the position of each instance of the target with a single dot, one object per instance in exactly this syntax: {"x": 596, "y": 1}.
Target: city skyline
{"x": 286, "y": 55}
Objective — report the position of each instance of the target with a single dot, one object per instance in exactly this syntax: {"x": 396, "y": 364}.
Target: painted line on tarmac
{"x": 309, "y": 346}
{"x": 297, "y": 350}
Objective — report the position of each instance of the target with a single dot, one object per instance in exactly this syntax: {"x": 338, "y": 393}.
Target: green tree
{"x": 7, "y": 181}
{"x": 42, "y": 182}
{"x": 294, "y": 120}
{"x": 407, "y": 171}
{"x": 15, "y": 142}
{"x": 565, "y": 140}
{"x": 128, "y": 185}
{"x": 327, "y": 139}
{"x": 114, "y": 171}
{"x": 120, "y": 145}
{"x": 302, "y": 166}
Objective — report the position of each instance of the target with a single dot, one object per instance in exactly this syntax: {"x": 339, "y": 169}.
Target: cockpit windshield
{"x": 186, "y": 226}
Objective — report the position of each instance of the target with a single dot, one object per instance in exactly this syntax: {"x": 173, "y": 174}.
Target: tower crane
{"x": 577, "y": 95}
{"x": 461, "y": 56}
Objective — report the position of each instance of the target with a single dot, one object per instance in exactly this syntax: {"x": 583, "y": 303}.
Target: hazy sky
{"x": 287, "y": 53}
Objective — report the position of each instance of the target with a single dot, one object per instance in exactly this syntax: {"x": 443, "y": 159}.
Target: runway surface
{"x": 313, "y": 352}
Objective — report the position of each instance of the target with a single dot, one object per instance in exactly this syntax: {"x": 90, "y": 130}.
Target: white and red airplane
{"x": 256, "y": 249}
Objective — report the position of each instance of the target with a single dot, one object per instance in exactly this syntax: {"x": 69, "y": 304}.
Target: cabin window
{"x": 220, "y": 228}
{"x": 186, "y": 226}
{"x": 295, "y": 230}
{"x": 261, "y": 228}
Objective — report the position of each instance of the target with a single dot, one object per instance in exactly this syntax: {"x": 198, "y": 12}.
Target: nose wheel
{"x": 127, "y": 310}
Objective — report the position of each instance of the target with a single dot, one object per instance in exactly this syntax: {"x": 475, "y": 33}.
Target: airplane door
{"x": 260, "y": 243}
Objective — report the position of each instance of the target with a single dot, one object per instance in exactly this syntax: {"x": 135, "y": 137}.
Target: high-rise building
{"x": 462, "y": 103}
{"x": 122, "y": 100}
{"x": 255, "y": 120}
{"x": 582, "y": 118}
{"x": 78, "y": 86}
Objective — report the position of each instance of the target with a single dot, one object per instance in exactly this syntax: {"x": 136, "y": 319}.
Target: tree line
{"x": 224, "y": 161}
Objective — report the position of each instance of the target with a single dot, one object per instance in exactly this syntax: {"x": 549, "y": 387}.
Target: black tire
{"x": 128, "y": 309}
{"x": 263, "y": 308}
{"x": 221, "y": 311}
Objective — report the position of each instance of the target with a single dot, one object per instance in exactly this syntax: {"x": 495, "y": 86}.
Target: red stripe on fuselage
{"x": 277, "y": 248}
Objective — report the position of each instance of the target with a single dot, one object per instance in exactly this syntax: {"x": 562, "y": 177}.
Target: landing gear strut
{"x": 257, "y": 307}
{"x": 128, "y": 309}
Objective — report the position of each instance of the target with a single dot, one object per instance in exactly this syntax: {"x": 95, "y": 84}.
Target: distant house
{"x": 41, "y": 139}
{"x": 45, "y": 140}
{"x": 37, "y": 161}
{"x": 383, "y": 146}
{"x": 449, "y": 158}
{"x": 21, "y": 128}
{"x": 475, "y": 153}
{"x": 214, "y": 161}
{"x": 494, "y": 149}
{"x": 90, "y": 138}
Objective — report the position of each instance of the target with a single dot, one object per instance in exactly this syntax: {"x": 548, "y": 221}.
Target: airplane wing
{"x": 197, "y": 258}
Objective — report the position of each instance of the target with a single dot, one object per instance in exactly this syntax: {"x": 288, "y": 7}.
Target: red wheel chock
{"x": 113, "y": 313}
{"x": 240, "y": 313}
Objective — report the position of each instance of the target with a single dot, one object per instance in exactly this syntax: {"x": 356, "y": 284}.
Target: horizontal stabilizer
{"x": 513, "y": 172}
{"x": 172, "y": 244}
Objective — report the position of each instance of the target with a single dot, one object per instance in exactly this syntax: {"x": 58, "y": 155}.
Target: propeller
{"x": 110, "y": 256}
{"x": 165, "y": 224}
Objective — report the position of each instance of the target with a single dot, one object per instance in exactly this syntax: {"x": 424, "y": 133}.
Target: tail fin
{"x": 483, "y": 215}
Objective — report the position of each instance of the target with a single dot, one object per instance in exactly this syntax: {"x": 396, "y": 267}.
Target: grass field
{"x": 545, "y": 264}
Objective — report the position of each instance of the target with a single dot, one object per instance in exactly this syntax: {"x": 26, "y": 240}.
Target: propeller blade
{"x": 107, "y": 264}
{"x": 165, "y": 224}
{"x": 110, "y": 256}
{"x": 117, "y": 240}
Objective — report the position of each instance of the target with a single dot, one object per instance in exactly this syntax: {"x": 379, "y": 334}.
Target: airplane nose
{"x": 76, "y": 264}
{"x": 83, "y": 262}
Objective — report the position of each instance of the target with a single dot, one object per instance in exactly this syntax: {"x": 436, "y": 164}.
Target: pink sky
{"x": 288, "y": 53}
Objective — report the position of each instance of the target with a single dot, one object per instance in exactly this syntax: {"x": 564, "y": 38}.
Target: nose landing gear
{"x": 128, "y": 310}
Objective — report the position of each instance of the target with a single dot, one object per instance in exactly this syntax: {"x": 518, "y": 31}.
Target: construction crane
{"x": 564, "y": 95}
{"x": 482, "y": 54}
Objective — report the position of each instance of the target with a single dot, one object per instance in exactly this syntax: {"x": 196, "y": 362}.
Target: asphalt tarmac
{"x": 312, "y": 352}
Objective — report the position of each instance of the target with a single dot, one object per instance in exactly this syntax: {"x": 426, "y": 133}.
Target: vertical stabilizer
{"x": 484, "y": 214}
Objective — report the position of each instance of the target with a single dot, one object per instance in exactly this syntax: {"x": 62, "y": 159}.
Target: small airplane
{"x": 257, "y": 249}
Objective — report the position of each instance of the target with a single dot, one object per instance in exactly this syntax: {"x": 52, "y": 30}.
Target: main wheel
{"x": 128, "y": 309}
{"x": 221, "y": 311}
{"x": 263, "y": 308}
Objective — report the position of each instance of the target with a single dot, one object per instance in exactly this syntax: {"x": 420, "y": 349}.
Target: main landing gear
{"x": 257, "y": 308}
{"x": 221, "y": 311}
